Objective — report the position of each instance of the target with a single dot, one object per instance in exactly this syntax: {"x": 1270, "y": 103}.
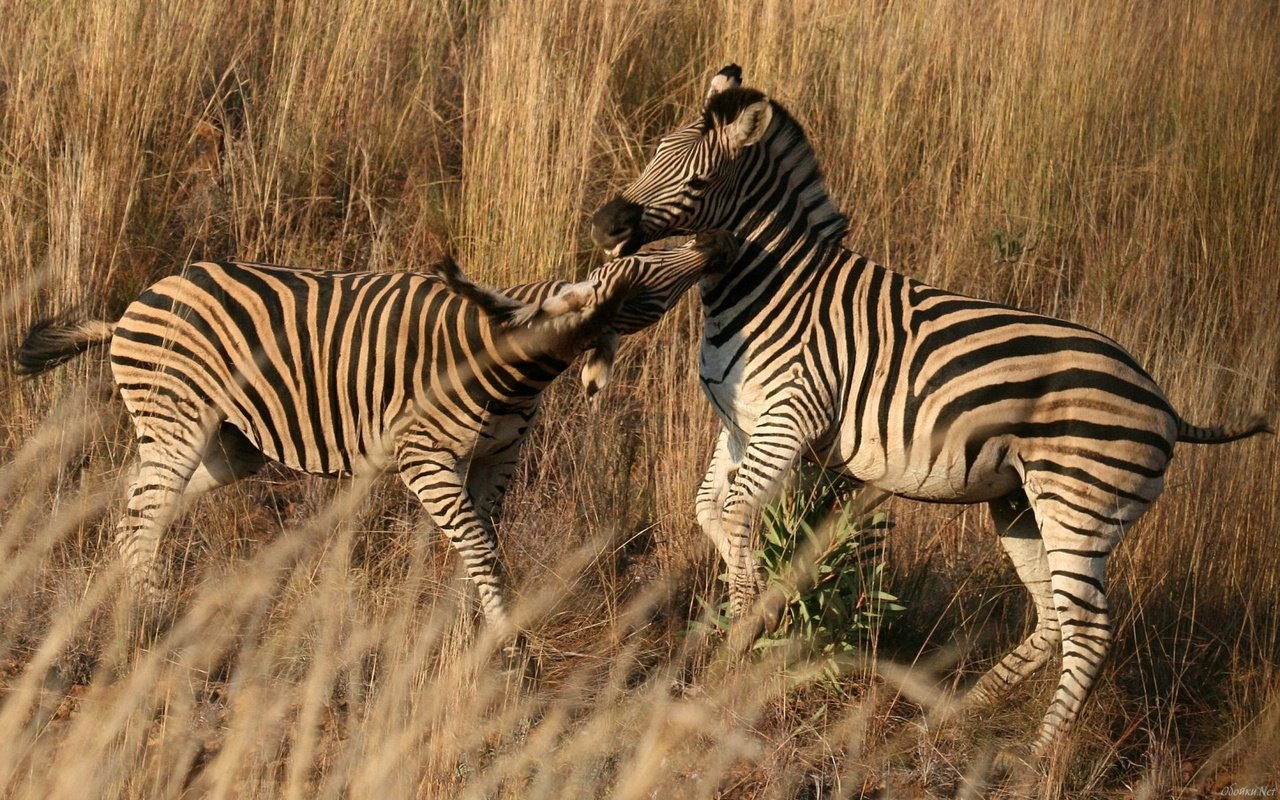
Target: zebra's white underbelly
{"x": 951, "y": 480}
{"x": 937, "y": 471}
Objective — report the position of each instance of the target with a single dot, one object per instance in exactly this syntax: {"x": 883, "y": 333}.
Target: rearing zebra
{"x": 228, "y": 365}
{"x": 810, "y": 350}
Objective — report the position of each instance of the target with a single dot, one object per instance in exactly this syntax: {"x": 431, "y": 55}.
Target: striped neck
{"x": 782, "y": 195}
{"x": 790, "y": 229}
{"x": 774, "y": 261}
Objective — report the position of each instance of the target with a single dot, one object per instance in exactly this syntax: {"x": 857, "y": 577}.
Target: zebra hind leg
{"x": 1020, "y": 536}
{"x": 164, "y": 469}
{"x": 1079, "y": 534}
{"x": 228, "y": 457}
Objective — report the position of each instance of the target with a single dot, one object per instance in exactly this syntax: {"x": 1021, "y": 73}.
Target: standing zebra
{"x": 228, "y": 365}
{"x": 810, "y": 350}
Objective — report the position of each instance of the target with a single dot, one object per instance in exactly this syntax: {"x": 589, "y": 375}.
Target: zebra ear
{"x": 599, "y": 365}
{"x": 728, "y": 78}
{"x": 750, "y": 125}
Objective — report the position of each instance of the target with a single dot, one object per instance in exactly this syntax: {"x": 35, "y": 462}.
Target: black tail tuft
{"x": 51, "y": 342}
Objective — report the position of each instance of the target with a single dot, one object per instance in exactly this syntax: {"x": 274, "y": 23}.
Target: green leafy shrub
{"x": 829, "y": 566}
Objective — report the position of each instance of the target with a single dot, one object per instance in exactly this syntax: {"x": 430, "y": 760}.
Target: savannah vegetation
{"x": 1114, "y": 163}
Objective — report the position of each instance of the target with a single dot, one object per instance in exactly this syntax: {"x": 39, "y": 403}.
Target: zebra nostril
{"x": 616, "y": 223}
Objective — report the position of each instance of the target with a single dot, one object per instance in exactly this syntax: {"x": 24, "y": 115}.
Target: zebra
{"x": 228, "y": 365}
{"x": 811, "y": 350}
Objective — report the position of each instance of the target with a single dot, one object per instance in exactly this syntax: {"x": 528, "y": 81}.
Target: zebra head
{"x": 630, "y": 293}
{"x": 621, "y": 297}
{"x": 649, "y": 283}
{"x": 691, "y": 183}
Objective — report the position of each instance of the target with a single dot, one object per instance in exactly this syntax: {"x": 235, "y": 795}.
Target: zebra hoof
{"x": 743, "y": 634}
{"x": 1013, "y": 762}
{"x": 519, "y": 663}
{"x": 772, "y": 605}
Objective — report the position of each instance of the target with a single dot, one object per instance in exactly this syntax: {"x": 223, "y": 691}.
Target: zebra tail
{"x": 496, "y": 305}
{"x": 1227, "y": 433}
{"x": 51, "y": 342}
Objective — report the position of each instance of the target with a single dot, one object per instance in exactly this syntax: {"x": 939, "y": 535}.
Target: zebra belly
{"x": 918, "y": 473}
{"x": 361, "y": 458}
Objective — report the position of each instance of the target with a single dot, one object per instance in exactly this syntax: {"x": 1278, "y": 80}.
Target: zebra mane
{"x": 495, "y": 305}
{"x": 725, "y": 106}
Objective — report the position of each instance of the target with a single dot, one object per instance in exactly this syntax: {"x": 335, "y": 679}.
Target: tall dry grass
{"x": 1115, "y": 163}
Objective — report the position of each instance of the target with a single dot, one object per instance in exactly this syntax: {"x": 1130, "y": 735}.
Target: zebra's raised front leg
{"x": 1020, "y": 536}
{"x": 715, "y": 487}
{"x": 771, "y": 452}
{"x": 439, "y": 480}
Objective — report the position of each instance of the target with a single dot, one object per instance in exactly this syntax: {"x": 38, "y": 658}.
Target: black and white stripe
{"x": 228, "y": 365}
{"x": 810, "y": 350}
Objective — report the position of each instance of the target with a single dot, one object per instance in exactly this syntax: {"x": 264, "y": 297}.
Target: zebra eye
{"x": 698, "y": 184}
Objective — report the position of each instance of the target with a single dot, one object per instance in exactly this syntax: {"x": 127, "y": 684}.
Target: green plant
{"x": 827, "y": 561}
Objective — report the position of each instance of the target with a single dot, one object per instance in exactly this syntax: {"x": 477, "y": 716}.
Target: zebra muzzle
{"x": 615, "y": 227}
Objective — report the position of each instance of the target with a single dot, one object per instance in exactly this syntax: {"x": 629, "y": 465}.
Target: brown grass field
{"x": 1115, "y": 163}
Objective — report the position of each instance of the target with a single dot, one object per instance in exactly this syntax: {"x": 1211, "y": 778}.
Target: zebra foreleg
{"x": 487, "y": 484}
{"x": 487, "y": 481}
{"x": 438, "y": 480}
{"x": 771, "y": 452}
{"x": 715, "y": 487}
{"x": 1020, "y": 536}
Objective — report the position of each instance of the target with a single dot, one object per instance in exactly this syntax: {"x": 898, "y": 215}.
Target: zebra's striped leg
{"x": 1020, "y": 536}
{"x": 437, "y": 478}
{"x": 771, "y": 451}
{"x": 714, "y": 488}
{"x": 1078, "y": 539}
{"x": 487, "y": 485}
{"x": 228, "y": 457}
{"x": 163, "y": 472}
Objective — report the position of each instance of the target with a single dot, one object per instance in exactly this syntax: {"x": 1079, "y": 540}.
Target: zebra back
{"x": 321, "y": 369}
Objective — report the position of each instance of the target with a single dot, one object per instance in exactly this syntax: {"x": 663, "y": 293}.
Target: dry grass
{"x": 1115, "y": 163}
